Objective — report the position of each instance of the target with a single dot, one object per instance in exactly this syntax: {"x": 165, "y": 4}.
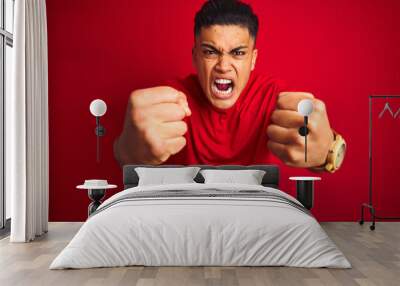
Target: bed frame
{"x": 270, "y": 179}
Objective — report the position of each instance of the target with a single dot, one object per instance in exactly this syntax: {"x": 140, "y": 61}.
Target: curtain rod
{"x": 384, "y": 96}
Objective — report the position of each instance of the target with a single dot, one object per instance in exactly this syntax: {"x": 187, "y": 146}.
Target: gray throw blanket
{"x": 206, "y": 193}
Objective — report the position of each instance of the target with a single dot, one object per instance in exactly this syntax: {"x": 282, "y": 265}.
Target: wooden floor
{"x": 374, "y": 255}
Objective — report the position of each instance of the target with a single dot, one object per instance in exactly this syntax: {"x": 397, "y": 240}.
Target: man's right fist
{"x": 154, "y": 128}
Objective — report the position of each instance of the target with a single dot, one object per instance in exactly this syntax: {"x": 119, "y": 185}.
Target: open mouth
{"x": 222, "y": 88}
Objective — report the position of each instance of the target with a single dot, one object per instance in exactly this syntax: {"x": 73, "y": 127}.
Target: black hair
{"x": 226, "y": 12}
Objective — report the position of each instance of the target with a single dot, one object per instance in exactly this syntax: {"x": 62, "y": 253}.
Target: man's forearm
{"x": 122, "y": 155}
{"x": 117, "y": 152}
{"x": 125, "y": 153}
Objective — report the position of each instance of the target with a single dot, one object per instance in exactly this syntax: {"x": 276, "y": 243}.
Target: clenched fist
{"x": 287, "y": 144}
{"x": 154, "y": 127}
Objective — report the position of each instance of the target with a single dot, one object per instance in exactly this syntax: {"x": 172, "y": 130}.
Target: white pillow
{"x": 249, "y": 177}
{"x": 167, "y": 175}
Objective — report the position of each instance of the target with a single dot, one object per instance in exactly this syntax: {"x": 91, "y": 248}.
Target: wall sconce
{"x": 98, "y": 108}
{"x": 305, "y": 108}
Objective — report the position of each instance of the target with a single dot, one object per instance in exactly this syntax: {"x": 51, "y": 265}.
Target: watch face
{"x": 340, "y": 155}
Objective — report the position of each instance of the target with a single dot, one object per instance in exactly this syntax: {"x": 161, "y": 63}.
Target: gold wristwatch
{"x": 335, "y": 155}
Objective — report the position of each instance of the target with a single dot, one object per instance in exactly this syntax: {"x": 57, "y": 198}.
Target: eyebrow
{"x": 215, "y": 49}
{"x": 239, "y": 48}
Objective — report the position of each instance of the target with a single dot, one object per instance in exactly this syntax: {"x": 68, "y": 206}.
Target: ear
{"x": 193, "y": 61}
{"x": 254, "y": 59}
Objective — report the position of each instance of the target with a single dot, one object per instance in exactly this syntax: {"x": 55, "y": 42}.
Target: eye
{"x": 239, "y": 53}
{"x": 209, "y": 52}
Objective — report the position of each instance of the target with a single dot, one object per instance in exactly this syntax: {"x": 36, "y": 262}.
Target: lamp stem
{"x": 305, "y": 138}
{"x": 97, "y": 149}
{"x": 97, "y": 139}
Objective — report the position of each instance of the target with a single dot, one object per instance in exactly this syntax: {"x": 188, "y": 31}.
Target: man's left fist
{"x": 287, "y": 144}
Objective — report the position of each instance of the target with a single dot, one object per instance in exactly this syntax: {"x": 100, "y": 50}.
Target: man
{"x": 225, "y": 114}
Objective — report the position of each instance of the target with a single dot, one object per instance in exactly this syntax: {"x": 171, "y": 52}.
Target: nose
{"x": 223, "y": 65}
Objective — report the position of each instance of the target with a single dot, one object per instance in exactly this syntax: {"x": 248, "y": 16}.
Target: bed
{"x": 201, "y": 224}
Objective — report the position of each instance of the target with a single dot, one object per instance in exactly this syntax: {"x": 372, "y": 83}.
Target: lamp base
{"x": 305, "y": 193}
{"x": 96, "y": 195}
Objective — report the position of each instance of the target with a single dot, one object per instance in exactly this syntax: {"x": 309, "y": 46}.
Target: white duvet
{"x": 182, "y": 231}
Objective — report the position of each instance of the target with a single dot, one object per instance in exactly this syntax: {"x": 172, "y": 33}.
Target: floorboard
{"x": 374, "y": 255}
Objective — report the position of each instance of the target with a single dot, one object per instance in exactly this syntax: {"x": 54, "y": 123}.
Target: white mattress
{"x": 183, "y": 231}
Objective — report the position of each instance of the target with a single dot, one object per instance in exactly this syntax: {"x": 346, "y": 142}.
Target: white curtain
{"x": 27, "y": 124}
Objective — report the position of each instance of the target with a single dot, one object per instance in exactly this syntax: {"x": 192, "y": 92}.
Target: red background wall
{"x": 340, "y": 50}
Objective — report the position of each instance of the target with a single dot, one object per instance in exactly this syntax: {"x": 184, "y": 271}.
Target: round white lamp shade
{"x": 305, "y": 107}
{"x": 98, "y": 107}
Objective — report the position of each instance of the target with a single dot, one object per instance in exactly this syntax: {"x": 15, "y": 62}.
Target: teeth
{"x": 222, "y": 80}
{"x": 215, "y": 89}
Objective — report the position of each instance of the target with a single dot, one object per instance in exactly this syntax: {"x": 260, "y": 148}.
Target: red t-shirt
{"x": 236, "y": 135}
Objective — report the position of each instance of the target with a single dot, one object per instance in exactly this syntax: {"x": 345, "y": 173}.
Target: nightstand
{"x": 305, "y": 190}
{"x": 96, "y": 192}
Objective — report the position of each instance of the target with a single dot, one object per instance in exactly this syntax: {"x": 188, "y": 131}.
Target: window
{"x": 6, "y": 61}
